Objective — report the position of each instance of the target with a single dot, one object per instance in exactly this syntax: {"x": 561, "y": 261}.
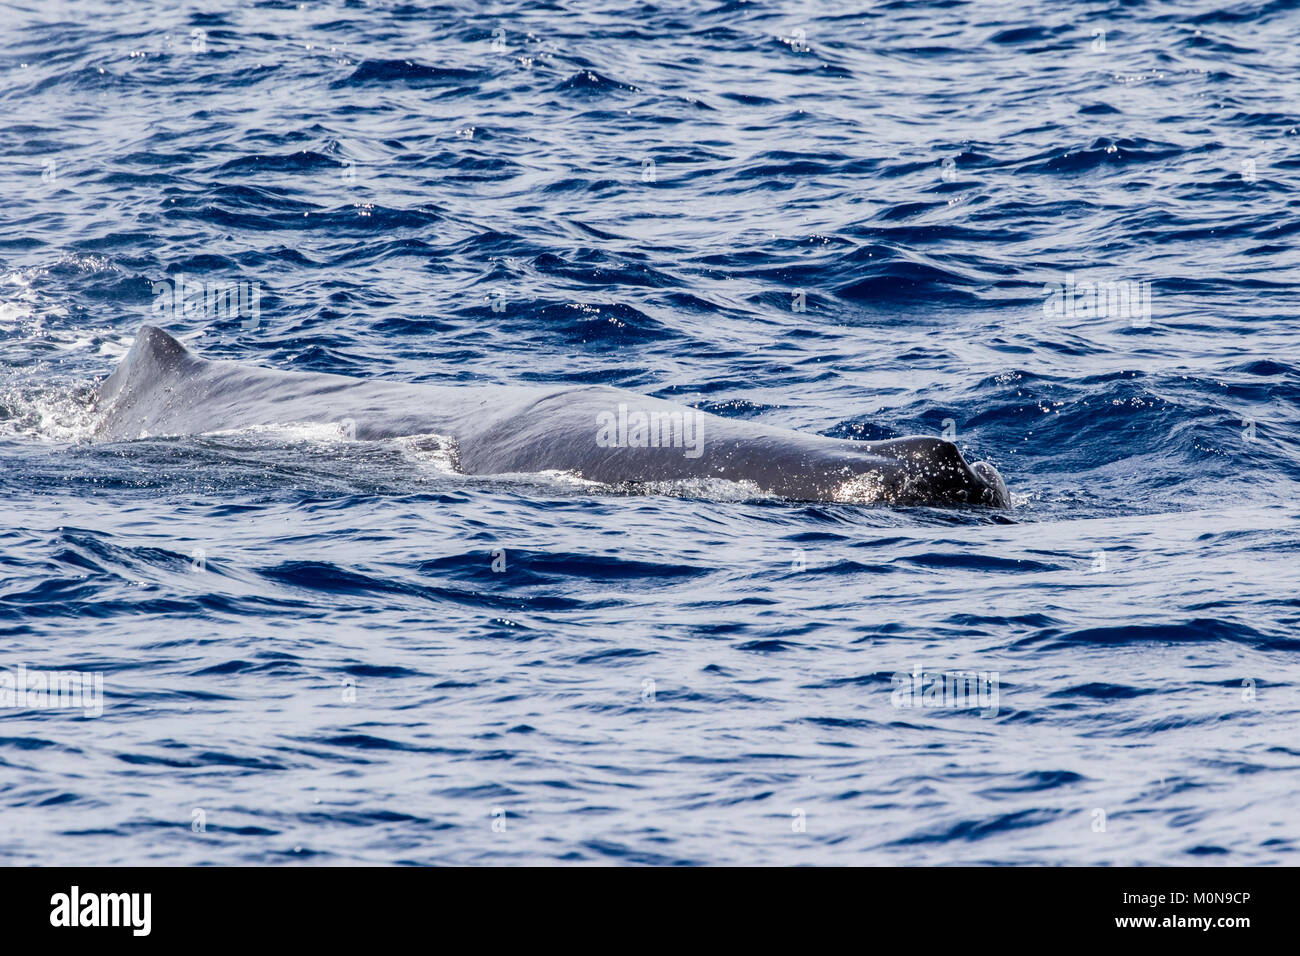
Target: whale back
{"x": 153, "y": 366}
{"x": 161, "y": 388}
{"x": 154, "y": 357}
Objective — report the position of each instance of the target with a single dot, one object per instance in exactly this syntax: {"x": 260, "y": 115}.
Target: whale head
{"x": 995, "y": 491}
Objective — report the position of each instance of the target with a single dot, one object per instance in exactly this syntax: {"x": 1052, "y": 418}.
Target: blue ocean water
{"x": 1060, "y": 233}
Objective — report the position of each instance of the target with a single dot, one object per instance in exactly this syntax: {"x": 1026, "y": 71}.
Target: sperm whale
{"x": 600, "y": 433}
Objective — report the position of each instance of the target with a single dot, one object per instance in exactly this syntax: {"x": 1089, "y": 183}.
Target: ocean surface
{"x": 1062, "y": 234}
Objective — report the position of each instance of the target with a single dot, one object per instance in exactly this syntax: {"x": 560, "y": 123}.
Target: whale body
{"x": 596, "y": 432}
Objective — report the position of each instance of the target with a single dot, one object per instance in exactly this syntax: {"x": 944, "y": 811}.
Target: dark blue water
{"x": 306, "y": 653}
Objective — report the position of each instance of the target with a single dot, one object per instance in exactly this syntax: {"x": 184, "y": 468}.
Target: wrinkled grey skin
{"x": 161, "y": 388}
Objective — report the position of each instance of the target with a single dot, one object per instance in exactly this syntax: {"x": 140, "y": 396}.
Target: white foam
{"x": 290, "y": 433}
{"x": 47, "y": 413}
{"x": 437, "y": 452}
{"x": 710, "y": 489}
{"x": 864, "y": 489}
{"x": 429, "y": 451}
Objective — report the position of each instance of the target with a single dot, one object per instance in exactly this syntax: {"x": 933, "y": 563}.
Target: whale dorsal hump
{"x": 155, "y": 357}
